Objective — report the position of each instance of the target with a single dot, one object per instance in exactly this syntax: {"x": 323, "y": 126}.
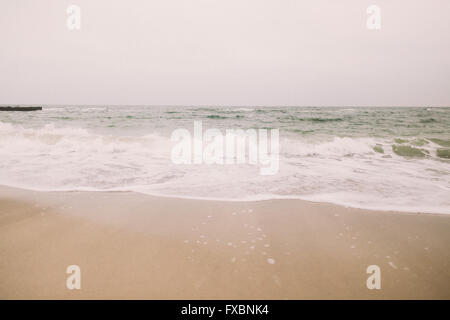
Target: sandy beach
{"x": 226, "y": 150}
{"x": 134, "y": 246}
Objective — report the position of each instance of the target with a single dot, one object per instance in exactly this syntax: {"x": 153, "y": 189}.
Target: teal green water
{"x": 380, "y": 158}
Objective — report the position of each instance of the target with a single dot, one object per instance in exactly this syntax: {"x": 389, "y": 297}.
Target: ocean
{"x": 374, "y": 158}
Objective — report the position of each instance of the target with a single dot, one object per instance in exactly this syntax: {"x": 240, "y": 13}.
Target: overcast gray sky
{"x": 225, "y": 52}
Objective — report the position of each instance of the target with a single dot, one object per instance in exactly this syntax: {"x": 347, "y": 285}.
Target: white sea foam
{"x": 339, "y": 170}
{"x": 243, "y": 109}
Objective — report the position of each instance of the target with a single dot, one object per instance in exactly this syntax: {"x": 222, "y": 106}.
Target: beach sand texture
{"x": 134, "y": 246}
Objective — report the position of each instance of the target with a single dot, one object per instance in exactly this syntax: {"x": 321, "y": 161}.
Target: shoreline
{"x": 135, "y": 246}
{"x": 229, "y": 200}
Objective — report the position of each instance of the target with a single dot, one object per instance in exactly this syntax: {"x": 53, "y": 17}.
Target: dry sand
{"x": 135, "y": 246}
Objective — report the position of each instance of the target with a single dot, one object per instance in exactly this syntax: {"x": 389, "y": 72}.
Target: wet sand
{"x": 134, "y": 246}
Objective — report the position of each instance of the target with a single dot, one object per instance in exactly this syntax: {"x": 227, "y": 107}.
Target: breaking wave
{"x": 406, "y": 174}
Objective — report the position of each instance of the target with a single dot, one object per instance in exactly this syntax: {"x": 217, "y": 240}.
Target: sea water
{"x": 375, "y": 158}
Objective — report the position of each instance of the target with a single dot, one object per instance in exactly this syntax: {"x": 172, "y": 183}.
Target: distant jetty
{"x": 20, "y": 108}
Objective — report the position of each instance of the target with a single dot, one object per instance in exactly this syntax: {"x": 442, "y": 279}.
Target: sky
{"x": 225, "y": 52}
